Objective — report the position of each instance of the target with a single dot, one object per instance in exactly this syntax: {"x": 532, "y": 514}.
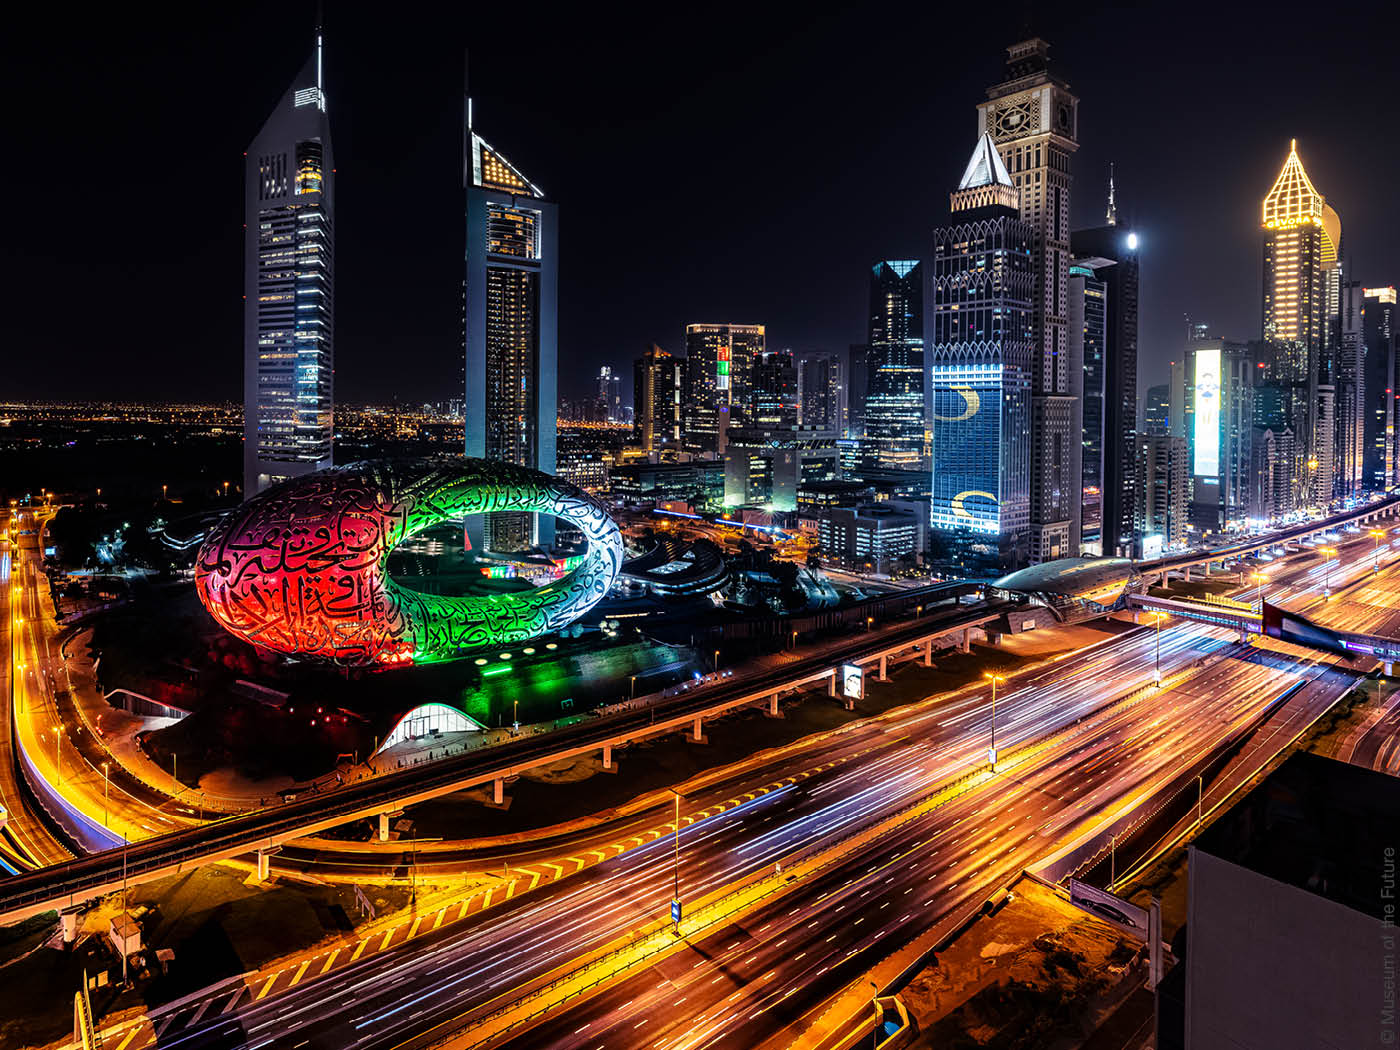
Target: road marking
{"x": 233, "y": 999}
{"x": 204, "y": 1006}
{"x": 129, "y": 1037}
{"x": 298, "y": 975}
{"x": 164, "y": 1024}
{"x": 359, "y": 949}
{"x": 268, "y": 986}
{"x": 411, "y": 930}
{"x": 441, "y": 912}
{"x": 534, "y": 879}
{"x": 329, "y": 960}
{"x": 388, "y": 936}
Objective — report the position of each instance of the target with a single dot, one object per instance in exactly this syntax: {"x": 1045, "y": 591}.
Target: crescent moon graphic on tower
{"x": 959, "y": 511}
{"x": 971, "y": 403}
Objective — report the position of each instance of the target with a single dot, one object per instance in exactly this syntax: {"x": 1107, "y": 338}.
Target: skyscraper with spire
{"x": 1301, "y": 320}
{"x": 289, "y": 286}
{"x": 511, "y": 321}
{"x": 1032, "y": 117}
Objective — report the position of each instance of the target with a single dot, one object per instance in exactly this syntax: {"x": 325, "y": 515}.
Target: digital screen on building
{"x": 722, "y": 369}
{"x": 967, "y": 440}
{"x": 1206, "y": 433}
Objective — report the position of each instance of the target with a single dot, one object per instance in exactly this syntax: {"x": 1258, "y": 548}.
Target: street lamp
{"x": 676, "y": 867}
{"x": 1259, "y": 579}
{"x": 1377, "y": 534}
{"x": 1158, "y": 680}
{"x": 633, "y": 690}
{"x": 1328, "y": 553}
{"x": 716, "y": 660}
{"x": 106, "y": 794}
{"x": 992, "y": 751}
{"x": 57, "y": 753}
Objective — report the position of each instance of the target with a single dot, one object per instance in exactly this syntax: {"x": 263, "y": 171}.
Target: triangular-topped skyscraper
{"x": 288, "y": 287}
{"x": 985, "y": 182}
{"x": 511, "y": 331}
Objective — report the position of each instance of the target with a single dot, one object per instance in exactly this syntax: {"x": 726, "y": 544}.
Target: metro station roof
{"x": 1098, "y": 580}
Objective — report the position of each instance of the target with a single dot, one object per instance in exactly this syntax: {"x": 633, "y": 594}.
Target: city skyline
{"x": 813, "y": 303}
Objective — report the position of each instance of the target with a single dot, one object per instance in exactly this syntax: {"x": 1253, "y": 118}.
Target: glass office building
{"x": 983, "y": 284}
{"x": 288, "y": 288}
{"x": 511, "y": 332}
{"x": 894, "y": 402}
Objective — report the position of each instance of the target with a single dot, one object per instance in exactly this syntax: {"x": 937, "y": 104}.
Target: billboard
{"x": 852, "y": 681}
{"x": 1106, "y": 906}
{"x": 1205, "y": 435}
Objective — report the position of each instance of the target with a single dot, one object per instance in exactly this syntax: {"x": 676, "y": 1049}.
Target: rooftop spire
{"x": 1112, "y": 206}
{"x": 985, "y": 181}
{"x": 1293, "y": 201}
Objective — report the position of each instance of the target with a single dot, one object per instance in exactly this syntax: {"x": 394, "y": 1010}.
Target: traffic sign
{"x": 676, "y": 912}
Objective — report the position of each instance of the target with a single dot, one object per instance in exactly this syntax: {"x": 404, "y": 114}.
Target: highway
{"x": 744, "y": 983}
{"x": 26, "y": 842}
{"x": 883, "y": 892}
{"x": 231, "y": 836}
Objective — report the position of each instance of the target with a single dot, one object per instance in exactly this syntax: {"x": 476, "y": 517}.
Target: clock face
{"x": 1014, "y": 119}
{"x": 1062, "y": 118}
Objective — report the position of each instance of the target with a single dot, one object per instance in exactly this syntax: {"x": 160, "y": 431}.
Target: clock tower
{"x": 1033, "y": 119}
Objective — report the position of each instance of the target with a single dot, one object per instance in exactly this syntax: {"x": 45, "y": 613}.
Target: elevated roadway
{"x": 72, "y": 882}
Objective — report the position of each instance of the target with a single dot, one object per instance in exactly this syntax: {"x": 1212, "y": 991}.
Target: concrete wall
{"x": 1270, "y": 965}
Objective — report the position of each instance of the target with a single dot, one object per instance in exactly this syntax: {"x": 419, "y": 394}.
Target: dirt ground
{"x": 1036, "y": 975}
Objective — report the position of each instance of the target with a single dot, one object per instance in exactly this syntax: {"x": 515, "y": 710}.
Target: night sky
{"x": 711, "y": 163}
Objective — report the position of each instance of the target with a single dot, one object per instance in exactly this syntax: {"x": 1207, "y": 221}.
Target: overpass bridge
{"x": 1275, "y": 622}
{"x": 1182, "y": 564}
{"x": 260, "y": 833}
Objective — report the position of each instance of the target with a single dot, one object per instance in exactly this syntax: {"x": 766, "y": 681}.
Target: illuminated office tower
{"x": 775, "y": 399}
{"x": 894, "y": 400}
{"x": 1380, "y": 464}
{"x": 1164, "y": 483}
{"x": 1219, "y": 432}
{"x": 1351, "y": 392}
{"x": 511, "y": 332}
{"x": 982, "y": 348}
{"x": 821, "y": 392}
{"x": 1087, "y": 312}
{"x": 289, "y": 287}
{"x": 1301, "y": 299}
{"x": 1032, "y": 116}
{"x": 609, "y": 404}
{"x": 718, "y": 382}
{"x": 1156, "y": 410}
{"x": 656, "y": 400}
{"x": 1112, "y": 253}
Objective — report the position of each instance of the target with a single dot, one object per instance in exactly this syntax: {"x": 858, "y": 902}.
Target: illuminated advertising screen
{"x": 852, "y": 681}
{"x": 1206, "y": 433}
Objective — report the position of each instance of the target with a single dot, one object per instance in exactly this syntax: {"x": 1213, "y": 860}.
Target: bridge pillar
{"x": 884, "y": 667}
{"x": 1186, "y": 574}
{"x": 498, "y": 791}
{"x": 609, "y": 766}
{"x": 70, "y": 925}
{"x": 773, "y": 711}
{"x": 1388, "y": 667}
{"x": 928, "y": 651}
{"x": 697, "y": 732}
{"x": 831, "y": 687}
{"x": 383, "y": 827}
{"x": 264, "y": 864}
{"x": 966, "y": 645}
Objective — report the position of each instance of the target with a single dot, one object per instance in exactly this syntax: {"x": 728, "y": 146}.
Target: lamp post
{"x": 57, "y": 752}
{"x": 717, "y": 660}
{"x": 1376, "y": 534}
{"x": 1328, "y": 553}
{"x": 1259, "y": 579}
{"x": 676, "y": 867}
{"x": 992, "y": 751}
{"x": 633, "y": 689}
{"x": 106, "y": 794}
{"x": 1157, "y": 680}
